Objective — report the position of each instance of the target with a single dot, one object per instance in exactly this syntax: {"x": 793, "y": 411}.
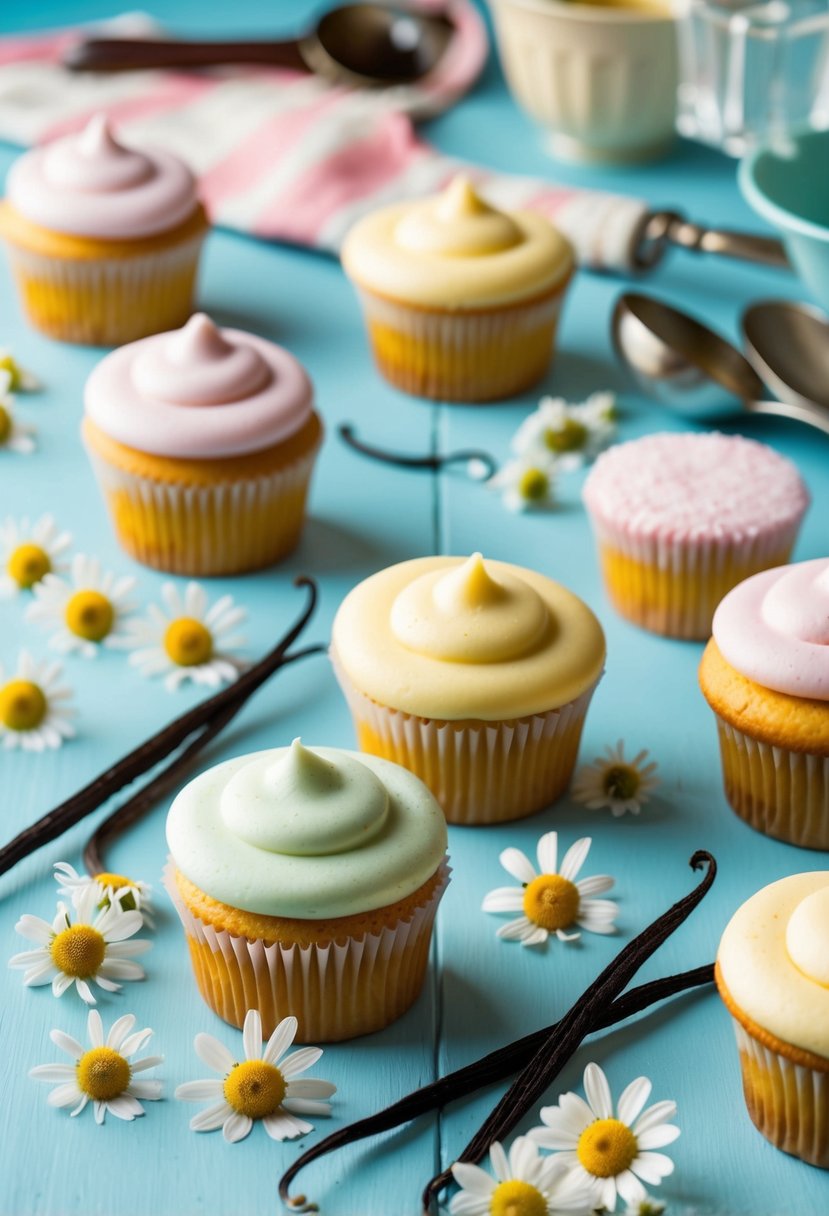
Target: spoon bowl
{"x": 788, "y": 343}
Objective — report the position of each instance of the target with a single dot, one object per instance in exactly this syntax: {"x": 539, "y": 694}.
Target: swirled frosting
{"x": 454, "y": 250}
{"x": 695, "y": 488}
{"x": 311, "y": 833}
{"x": 774, "y": 629}
{"x": 89, "y": 184}
{"x": 455, "y": 638}
{"x": 199, "y": 393}
{"x": 774, "y": 960}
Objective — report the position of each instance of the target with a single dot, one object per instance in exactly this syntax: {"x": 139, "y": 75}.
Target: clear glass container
{"x": 749, "y": 72}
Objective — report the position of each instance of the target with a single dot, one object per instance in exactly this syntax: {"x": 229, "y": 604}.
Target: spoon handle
{"x": 131, "y": 54}
{"x": 812, "y": 415}
{"x": 661, "y": 230}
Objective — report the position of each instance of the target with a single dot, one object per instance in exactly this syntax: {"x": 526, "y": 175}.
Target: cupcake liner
{"x": 673, "y": 586}
{"x": 226, "y": 528}
{"x": 462, "y": 356}
{"x": 480, "y": 772}
{"x": 787, "y": 1101}
{"x": 781, "y": 793}
{"x": 108, "y": 301}
{"x": 337, "y": 990}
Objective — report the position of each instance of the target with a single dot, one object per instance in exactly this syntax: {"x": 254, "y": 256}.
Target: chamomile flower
{"x": 19, "y": 379}
{"x": 14, "y": 436}
{"x": 614, "y": 782}
{"x": 103, "y": 1074}
{"x": 187, "y": 640}
{"x": 87, "y": 946}
{"x": 89, "y": 609}
{"x": 645, "y": 1207}
{"x": 521, "y": 1184}
{"x": 526, "y": 483}
{"x": 132, "y": 894}
{"x": 28, "y": 551}
{"x": 571, "y": 434}
{"x": 263, "y": 1086}
{"x": 611, "y": 1153}
{"x": 552, "y": 899}
{"x": 34, "y": 706}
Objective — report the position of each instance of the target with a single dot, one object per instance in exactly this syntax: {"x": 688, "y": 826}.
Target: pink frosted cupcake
{"x": 680, "y": 519}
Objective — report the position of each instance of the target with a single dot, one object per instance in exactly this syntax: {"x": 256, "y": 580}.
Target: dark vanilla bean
{"x": 429, "y": 460}
{"x": 140, "y": 803}
{"x": 489, "y": 1069}
{"x": 156, "y": 748}
{"x": 543, "y": 1068}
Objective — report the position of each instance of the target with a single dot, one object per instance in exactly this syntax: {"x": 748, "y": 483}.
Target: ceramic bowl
{"x": 601, "y": 78}
{"x": 788, "y": 185}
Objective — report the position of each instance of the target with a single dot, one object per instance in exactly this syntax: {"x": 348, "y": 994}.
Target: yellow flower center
{"x": 103, "y": 1073}
{"x": 254, "y": 1088}
{"x": 188, "y": 642}
{"x": 5, "y": 425}
{"x": 534, "y": 485}
{"x": 621, "y": 781}
{"x": 115, "y": 882}
{"x": 551, "y": 902}
{"x": 27, "y": 565}
{"x": 517, "y": 1199}
{"x": 569, "y": 437}
{"x": 9, "y": 364}
{"x": 89, "y": 615}
{"x": 23, "y": 705}
{"x": 607, "y": 1148}
{"x": 78, "y": 951}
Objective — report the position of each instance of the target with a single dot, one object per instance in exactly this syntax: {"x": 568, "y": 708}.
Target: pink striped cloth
{"x": 287, "y": 156}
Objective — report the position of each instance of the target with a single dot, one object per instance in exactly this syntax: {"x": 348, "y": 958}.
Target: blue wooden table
{"x": 480, "y": 992}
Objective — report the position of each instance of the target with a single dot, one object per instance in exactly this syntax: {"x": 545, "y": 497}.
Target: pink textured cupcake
{"x": 680, "y": 519}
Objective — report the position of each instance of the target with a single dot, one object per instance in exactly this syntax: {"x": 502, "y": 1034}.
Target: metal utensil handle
{"x": 131, "y": 54}
{"x": 812, "y": 415}
{"x": 662, "y": 229}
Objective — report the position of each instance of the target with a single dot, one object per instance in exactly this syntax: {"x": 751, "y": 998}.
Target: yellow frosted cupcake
{"x": 773, "y": 975}
{"x": 765, "y": 674}
{"x": 461, "y": 300}
{"x": 104, "y": 240}
{"x": 475, "y": 675}
{"x": 203, "y": 442}
{"x": 307, "y": 881}
{"x": 680, "y": 519}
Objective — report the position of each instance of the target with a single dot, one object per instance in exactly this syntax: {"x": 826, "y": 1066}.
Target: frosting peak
{"x": 457, "y": 223}
{"x": 199, "y": 365}
{"x": 807, "y": 936}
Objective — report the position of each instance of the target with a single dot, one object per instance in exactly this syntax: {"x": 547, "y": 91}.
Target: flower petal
{"x": 518, "y": 865}
{"x": 150, "y": 1062}
{"x": 66, "y": 1043}
{"x": 149, "y": 1091}
{"x": 299, "y": 1061}
{"x": 125, "y": 1107}
{"x": 630, "y": 1188}
{"x": 211, "y": 1118}
{"x": 236, "y": 1127}
{"x": 598, "y": 1092}
{"x": 308, "y": 1087}
{"x": 516, "y": 930}
{"x": 473, "y": 1179}
{"x": 283, "y": 1126}
{"x": 119, "y": 1031}
{"x": 660, "y": 1112}
{"x": 197, "y": 1091}
{"x": 503, "y": 899}
{"x": 575, "y": 858}
{"x": 658, "y": 1137}
{"x": 632, "y": 1100}
{"x": 548, "y": 853}
{"x": 64, "y": 1095}
{"x": 213, "y": 1053}
{"x": 499, "y": 1161}
{"x": 594, "y": 885}
{"x": 306, "y": 1106}
{"x": 281, "y": 1039}
{"x": 652, "y": 1167}
{"x": 252, "y": 1034}
{"x": 52, "y": 1072}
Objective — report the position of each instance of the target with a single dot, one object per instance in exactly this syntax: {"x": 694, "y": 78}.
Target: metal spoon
{"x": 357, "y": 43}
{"x": 695, "y": 372}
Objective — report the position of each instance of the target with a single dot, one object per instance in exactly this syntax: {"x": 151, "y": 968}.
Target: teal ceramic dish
{"x": 788, "y": 185}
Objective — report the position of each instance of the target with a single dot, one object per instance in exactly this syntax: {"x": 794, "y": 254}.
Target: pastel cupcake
{"x": 773, "y": 975}
{"x": 680, "y": 519}
{"x": 461, "y": 300}
{"x": 203, "y": 442}
{"x": 765, "y": 674}
{"x": 104, "y": 239}
{"x": 307, "y": 881}
{"x": 474, "y": 675}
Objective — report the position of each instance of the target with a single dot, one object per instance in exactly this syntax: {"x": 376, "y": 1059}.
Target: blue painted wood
{"x": 364, "y": 517}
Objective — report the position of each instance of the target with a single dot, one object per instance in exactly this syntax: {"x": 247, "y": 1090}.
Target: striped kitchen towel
{"x": 290, "y": 157}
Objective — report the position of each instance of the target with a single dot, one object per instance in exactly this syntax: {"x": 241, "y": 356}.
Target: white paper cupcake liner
{"x": 781, "y": 793}
{"x": 480, "y": 772}
{"x": 787, "y": 1102}
{"x": 108, "y": 301}
{"x": 226, "y": 528}
{"x": 336, "y": 991}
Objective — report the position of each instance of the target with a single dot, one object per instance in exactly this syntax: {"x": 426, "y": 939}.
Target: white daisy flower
{"x": 90, "y": 946}
{"x": 105, "y": 1073}
{"x": 645, "y": 1207}
{"x": 188, "y": 641}
{"x": 14, "y": 436}
{"x": 571, "y": 434}
{"x": 526, "y": 483}
{"x": 89, "y": 609}
{"x": 552, "y": 899}
{"x": 20, "y": 380}
{"x": 614, "y": 782}
{"x": 256, "y": 1088}
{"x": 610, "y": 1153}
{"x": 133, "y": 895}
{"x": 34, "y": 706}
{"x": 524, "y": 1184}
{"x": 28, "y": 551}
